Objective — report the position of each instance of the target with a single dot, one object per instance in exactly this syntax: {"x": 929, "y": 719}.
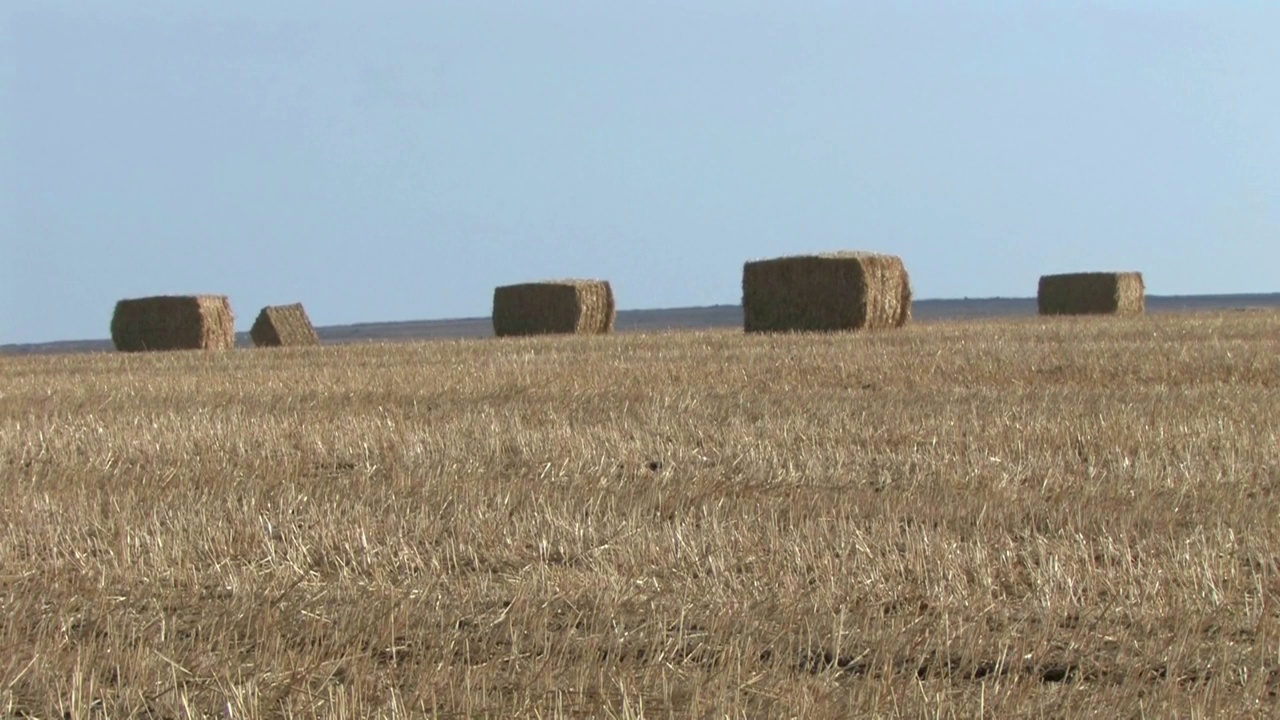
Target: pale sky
{"x": 386, "y": 160}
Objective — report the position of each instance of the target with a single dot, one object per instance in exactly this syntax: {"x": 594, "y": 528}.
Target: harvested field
{"x": 173, "y": 322}
{"x": 283, "y": 325}
{"x": 1092, "y": 293}
{"x": 826, "y": 292}
{"x": 578, "y": 307}
{"x": 1027, "y": 518}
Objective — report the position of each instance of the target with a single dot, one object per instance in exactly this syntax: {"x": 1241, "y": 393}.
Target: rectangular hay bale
{"x": 826, "y": 292}
{"x": 580, "y": 307}
{"x": 173, "y": 322}
{"x": 1092, "y": 293}
{"x": 283, "y": 325}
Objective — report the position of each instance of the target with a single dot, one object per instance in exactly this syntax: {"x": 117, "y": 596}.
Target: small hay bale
{"x": 826, "y": 292}
{"x": 280, "y": 325}
{"x": 1092, "y": 293}
{"x": 173, "y": 322}
{"x": 580, "y": 307}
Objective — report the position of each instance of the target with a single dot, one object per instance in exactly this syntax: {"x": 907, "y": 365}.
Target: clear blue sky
{"x": 397, "y": 160}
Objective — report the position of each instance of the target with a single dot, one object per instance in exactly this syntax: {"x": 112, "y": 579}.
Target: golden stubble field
{"x": 1013, "y": 518}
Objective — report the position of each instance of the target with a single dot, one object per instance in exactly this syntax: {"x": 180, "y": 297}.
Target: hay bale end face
{"x": 284, "y": 325}
{"x": 825, "y": 293}
{"x": 173, "y": 322}
{"x": 580, "y": 307}
{"x": 1092, "y": 293}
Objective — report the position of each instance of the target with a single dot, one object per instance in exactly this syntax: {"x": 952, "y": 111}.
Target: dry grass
{"x": 173, "y": 322}
{"x": 826, "y": 292}
{"x": 1092, "y": 293}
{"x": 579, "y": 307}
{"x": 284, "y": 325}
{"x": 1016, "y": 519}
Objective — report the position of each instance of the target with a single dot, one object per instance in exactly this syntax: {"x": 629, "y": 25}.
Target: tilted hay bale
{"x": 583, "y": 307}
{"x": 1092, "y": 293}
{"x": 826, "y": 292}
{"x": 279, "y": 325}
{"x": 173, "y": 322}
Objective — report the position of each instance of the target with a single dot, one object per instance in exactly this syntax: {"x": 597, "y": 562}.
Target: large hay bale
{"x": 1092, "y": 293}
{"x": 583, "y": 307}
{"x": 825, "y": 292}
{"x": 173, "y": 322}
{"x": 280, "y": 325}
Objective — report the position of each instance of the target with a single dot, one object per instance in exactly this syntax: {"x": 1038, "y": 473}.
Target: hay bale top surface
{"x": 1094, "y": 274}
{"x": 572, "y": 282}
{"x": 830, "y": 255}
{"x": 203, "y": 300}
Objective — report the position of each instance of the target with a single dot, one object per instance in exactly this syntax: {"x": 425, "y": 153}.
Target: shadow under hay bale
{"x": 173, "y": 322}
{"x": 1092, "y": 293}
{"x": 581, "y": 307}
{"x": 284, "y": 325}
{"x": 826, "y": 292}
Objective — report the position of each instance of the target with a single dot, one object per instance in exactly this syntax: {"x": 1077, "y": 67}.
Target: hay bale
{"x": 1092, "y": 293}
{"x": 173, "y": 322}
{"x": 280, "y": 325}
{"x": 581, "y": 307}
{"x": 825, "y": 292}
